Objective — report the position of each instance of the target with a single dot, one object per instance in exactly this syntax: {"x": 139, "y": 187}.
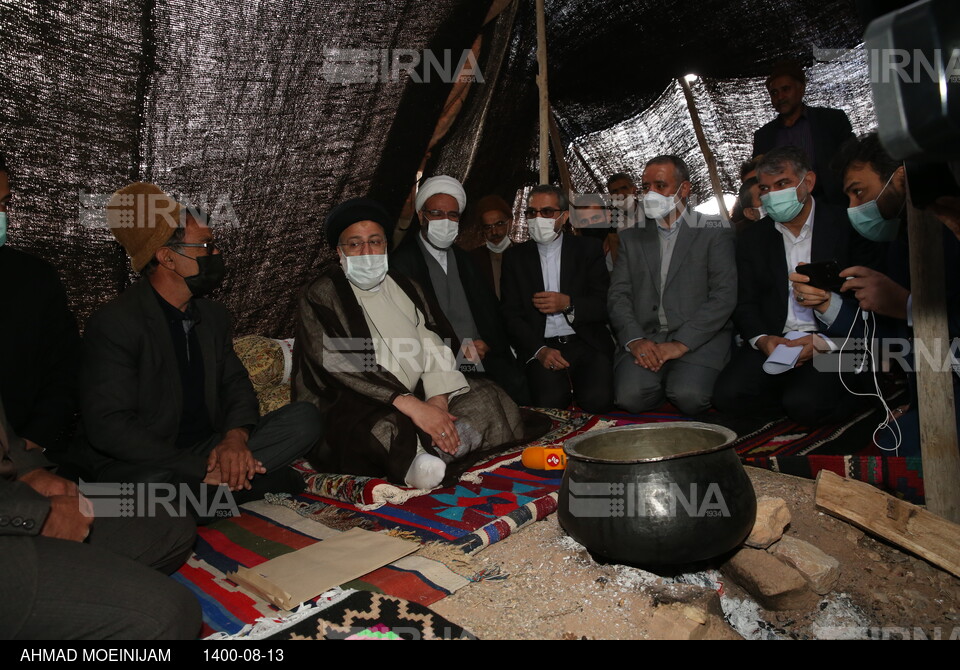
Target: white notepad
{"x": 784, "y": 358}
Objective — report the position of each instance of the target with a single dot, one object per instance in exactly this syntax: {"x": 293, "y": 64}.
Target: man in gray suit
{"x": 672, "y": 292}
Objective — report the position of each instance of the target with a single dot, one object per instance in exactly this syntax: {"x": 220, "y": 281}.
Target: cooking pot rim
{"x": 570, "y": 447}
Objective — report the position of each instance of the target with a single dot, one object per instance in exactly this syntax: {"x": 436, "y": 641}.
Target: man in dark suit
{"x": 672, "y": 292}
{"x": 877, "y": 188}
{"x": 38, "y": 358}
{"x": 493, "y": 216}
{"x": 69, "y": 576}
{"x": 798, "y": 229}
{"x": 164, "y": 398}
{"x": 446, "y": 272}
{"x": 554, "y": 306}
{"x": 818, "y": 131}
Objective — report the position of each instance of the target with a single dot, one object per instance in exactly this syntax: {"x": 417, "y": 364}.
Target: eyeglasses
{"x": 440, "y": 214}
{"x": 355, "y": 247}
{"x": 496, "y": 224}
{"x": 209, "y": 247}
{"x": 548, "y": 212}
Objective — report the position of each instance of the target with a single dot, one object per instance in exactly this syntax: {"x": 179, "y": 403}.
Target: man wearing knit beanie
{"x": 429, "y": 256}
{"x": 51, "y": 550}
{"x": 164, "y": 398}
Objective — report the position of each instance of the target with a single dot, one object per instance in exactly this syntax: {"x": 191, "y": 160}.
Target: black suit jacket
{"x": 131, "y": 395}
{"x": 481, "y": 261}
{"x": 23, "y": 509}
{"x": 763, "y": 287}
{"x": 830, "y": 128}
{"x": 583, "y": 276}
{"x": 408, "y": 260}
{"x": 39, "y": 357}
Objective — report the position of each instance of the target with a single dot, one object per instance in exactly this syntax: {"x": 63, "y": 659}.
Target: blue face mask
{"x": 784, "y": 205}
{"x": 3, "y": 228}
{"x": 867, "y": 220}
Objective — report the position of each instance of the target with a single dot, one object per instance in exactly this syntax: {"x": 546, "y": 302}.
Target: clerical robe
{"x": 356, "y": 351}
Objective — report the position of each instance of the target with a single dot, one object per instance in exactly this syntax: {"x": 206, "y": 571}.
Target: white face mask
{"x": 442, "y": 232}
{"x": 365, "y": 272}
{"x": 657, "y": 206}
{"x": 499, "y": 247}
{"x": 542, "y": 230}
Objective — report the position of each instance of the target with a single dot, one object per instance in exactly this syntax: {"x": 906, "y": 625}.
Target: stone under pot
{"x": 656, "y": 494}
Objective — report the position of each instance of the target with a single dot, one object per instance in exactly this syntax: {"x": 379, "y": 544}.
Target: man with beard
{"x": 447, "y": 274}
{"x": 373, "y": 351}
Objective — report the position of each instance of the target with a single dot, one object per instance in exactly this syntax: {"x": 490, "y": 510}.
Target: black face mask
{"x": 209, "y": 277}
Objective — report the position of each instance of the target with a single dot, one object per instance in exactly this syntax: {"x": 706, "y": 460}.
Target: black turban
{"x": 352, "y": 211}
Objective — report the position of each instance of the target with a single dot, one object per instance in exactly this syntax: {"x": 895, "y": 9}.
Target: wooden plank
{"x": 495, "y": 8}
{"x": 938, "y": 423}
{"x": 705, "y": 149}
{"x": 915, "y": 529}
{"x": 565, "y": 181}
{"x": 544, "y": 94}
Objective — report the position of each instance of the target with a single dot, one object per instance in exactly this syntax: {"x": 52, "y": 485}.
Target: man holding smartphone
{"x": 798, "y": 230}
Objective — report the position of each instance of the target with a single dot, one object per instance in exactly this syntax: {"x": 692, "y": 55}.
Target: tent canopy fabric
{"x": 269, "y": 112}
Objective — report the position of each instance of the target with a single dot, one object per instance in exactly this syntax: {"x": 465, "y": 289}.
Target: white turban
{"x": 441, "y": 184}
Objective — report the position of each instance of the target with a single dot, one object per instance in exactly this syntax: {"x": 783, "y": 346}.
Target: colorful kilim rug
{"x": 264, "y": 531}
{"x": 784, "y": 446}
{"x": 373, "y": 616}
{"x": 492, "y": 500}
{"x": 846, "y": 448}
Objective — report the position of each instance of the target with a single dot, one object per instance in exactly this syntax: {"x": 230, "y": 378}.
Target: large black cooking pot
{"x": 656, "y": 494}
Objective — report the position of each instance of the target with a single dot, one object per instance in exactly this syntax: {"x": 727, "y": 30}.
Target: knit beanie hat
{"x": 142, "y": 218}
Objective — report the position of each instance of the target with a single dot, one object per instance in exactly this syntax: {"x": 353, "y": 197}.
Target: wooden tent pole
{"x": 544, "y": 94}
{"x": 938, "y": 428}
{"x": 705, "y": 149}
{"x": 558, "y": 152}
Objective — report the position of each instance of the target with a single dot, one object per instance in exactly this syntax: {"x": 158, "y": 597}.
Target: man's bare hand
{"x": 432, "y": 419}
{"x": 214, "y": 477}
{"x": 69, "y": 518}
{"x": 482, "y": 348}
{"x": 474, "y": 350}
{"x": 768, "y": 343}
{"x": 876, "y": 292}
{"x": 551, "y": 302}
{"x": 809, "y": 296}
{"x": 646, "y": 354}
{"x": 671, "y": 350}
{"x": 812, "y": 344}
{"x": 552, "y": 359}
{"x": 234, "y": 460}
{"x": 48, "y": 484}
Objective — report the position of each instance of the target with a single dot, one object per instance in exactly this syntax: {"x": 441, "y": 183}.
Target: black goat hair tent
{"x": 269, "y": 112}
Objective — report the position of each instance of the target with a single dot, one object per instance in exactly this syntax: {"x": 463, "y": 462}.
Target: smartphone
{"x": 824, "y": 275}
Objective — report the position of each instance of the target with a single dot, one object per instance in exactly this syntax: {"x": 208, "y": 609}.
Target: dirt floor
{"x": 541, "y": 584}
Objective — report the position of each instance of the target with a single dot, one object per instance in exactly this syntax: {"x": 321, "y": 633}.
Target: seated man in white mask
{"x": 375, "y": 353}
{"x": 446, "y": 273}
